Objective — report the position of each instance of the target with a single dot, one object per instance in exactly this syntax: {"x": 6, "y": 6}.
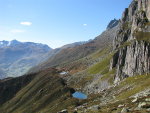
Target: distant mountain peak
{"x": 15, "y": 42}
{"x": 112, "y": 23}
{"x": 5, "y": 43}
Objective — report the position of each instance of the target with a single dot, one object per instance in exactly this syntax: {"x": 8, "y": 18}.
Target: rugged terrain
{"x": 131, "y": 44}
{"x": 113, "y": 70}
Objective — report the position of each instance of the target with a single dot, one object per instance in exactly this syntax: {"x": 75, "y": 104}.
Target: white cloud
{"x": 84, "y": 24}
{"x": 26, "y": 23}
{"x": 17, "y": 31}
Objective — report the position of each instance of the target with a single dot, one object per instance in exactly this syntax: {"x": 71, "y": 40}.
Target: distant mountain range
{"x": 16, "y": 58}
{"x": 14, "y": 43}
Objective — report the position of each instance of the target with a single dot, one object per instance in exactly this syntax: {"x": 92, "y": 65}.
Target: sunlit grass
{"x": 101, "y": 66}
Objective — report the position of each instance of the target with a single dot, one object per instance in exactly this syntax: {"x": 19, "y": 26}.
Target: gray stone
{"x": 141, "y": 104}
{"x": 94, "y": 107}
{"x": 63, "y": 111}
{"x": 147, "y": 99}
{"x": 132, "y": 58}
{"x": 148, "y": 109}
{"x": 124, "y": 110}
{"x": 144, "y": 105}
{"x": 119, "y": 106}
{"x": 135, "y": 100}
{"x": 137, "y": 109}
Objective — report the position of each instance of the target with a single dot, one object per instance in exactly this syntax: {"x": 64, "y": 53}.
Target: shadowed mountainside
{"x": 44, "y": 92}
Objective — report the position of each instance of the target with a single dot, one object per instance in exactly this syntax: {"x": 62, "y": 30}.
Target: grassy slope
{"x": 97, "y": 71}
{"x": 86, "y": 62}
{"x": 45, "y": 93}
{"x": 120, "y": 95}
{"x": 121, "y": 92}
{"x": 100, "y": 67}
{"x": 40, "y": 96}
{"x": 69, "y": 55}
{"x": 45, "y": 99}
{"x": 10, "y": 86}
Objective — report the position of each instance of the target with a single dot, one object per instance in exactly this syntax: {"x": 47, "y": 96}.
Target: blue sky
{"x": 57, "y": 22}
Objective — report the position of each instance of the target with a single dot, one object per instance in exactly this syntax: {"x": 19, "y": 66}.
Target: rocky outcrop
{"x": 132, "y": 43}
{"x": 112, "y": 24}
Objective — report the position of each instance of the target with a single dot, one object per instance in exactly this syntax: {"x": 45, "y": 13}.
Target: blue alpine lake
{"x": 79, "y": 95}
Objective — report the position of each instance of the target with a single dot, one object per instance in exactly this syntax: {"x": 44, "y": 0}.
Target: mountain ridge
{"x": 74, "y": 53}
{"x": 14, "y": 42}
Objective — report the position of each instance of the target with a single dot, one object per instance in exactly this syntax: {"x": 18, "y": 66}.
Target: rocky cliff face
{"x": 132, "y": 41}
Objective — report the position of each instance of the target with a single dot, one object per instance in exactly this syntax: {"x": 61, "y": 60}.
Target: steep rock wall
{"x": 132, "y": 41}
